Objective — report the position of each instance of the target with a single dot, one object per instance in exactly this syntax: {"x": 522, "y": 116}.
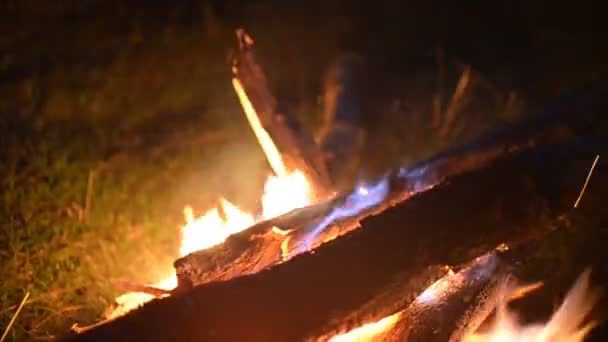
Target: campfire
{"x": 302, "y": 270}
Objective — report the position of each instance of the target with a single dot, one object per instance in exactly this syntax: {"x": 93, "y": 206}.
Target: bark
{"x": 295, "y": 143}
{"x": 353, "y": 279}
{"x": 456, "y": 305}
{"x": 258, "y": 248}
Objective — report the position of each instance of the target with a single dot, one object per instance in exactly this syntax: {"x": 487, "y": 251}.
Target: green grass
{"x": 147, "y": 119}
{"x": 67, "y": 255}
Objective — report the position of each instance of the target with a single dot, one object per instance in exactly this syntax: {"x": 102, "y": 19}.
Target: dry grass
{"x": 100, "y": 151}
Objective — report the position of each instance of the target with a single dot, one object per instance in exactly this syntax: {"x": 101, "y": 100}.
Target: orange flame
{"x": 286, "y": 191}
{"x": 281, "y": 194}
{"x": 369, "y": 331}
{"x": 568, "y": 324}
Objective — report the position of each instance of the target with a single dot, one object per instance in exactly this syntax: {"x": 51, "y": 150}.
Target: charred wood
{"x": 512, "y": 200}
{"x": 259, "y": 247}
{"x": 295, "y": 143}
{"x": 455, "y": 305}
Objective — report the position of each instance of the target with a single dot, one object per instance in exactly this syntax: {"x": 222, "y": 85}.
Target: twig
{"x": 586, "y": 181}
{"x": 10, "y": 324}
{"x": 79, "y": 330}
{"x": 455, "y": 102}
{"x": 55, "y": 314}
{"x": 522, "y": 291}
{"x": 438, "y": 96}
{"x": 128, "y": 286}
{"x": 89, "y": 195}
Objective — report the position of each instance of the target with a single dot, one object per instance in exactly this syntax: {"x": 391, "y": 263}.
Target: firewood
{"x": 512, "y": 200}
{"x": 457, "y": 304}
{"x": 294, "y": 142}
{"x": 258, "y": 247}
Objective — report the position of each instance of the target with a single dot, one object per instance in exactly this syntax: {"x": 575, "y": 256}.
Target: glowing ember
{"x": 568, "y": 324}
{"x": 370, "y": 331}
{"x": 132, "y": 300}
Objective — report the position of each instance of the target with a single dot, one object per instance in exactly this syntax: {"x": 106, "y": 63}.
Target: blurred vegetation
{"x": 114, "y": 116}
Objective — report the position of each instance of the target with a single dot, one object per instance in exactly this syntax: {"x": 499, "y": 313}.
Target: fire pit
{"x": 411, "y": 255}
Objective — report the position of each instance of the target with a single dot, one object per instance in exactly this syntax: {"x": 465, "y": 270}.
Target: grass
{"x": 148, "y": 118}
{"x": 66, "y": 262}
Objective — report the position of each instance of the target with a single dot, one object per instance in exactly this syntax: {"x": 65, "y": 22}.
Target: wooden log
{"x": 294, "y": 142}
{"x": 512, "y": 200}
{"x": 262, "y": 246}
{"x": 456, "y": 305}
{"x": 259, "y": 247}
{"x": 449, "y": 307}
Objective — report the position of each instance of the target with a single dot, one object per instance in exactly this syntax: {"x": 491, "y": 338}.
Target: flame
{"x": 272, "y": 152}
{"x": 568, "y": 324}
{"x": 370, "y": 331}
{"x": 286, "y": 191}
{"x": 132, "y": 300}
{"x": 213, "y": 227}
{"x": 281, "y": 194}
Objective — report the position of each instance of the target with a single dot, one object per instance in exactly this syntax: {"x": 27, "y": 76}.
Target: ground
{"x": 113, "y": 119}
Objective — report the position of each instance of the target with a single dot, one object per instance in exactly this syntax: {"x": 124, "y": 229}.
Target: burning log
{"x": 273, "y": 241}
{"x": 456, "y": 305}
{"x": 283, "y": 138}
{"x": 450, "y": 308}
{"x": 260, "y": 247}
{"x": 351, "y": 280}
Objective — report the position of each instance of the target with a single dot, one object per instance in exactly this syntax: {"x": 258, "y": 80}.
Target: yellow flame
{"x": 212, "y": 229}
{"x": 284, "y": 192}
{"x": 370, "y": 331}
{"x": 272, "y": 152}
{"x": 281, "y": 194}
{"x": 132, "y": 300}
{"x": 568, "y": 324}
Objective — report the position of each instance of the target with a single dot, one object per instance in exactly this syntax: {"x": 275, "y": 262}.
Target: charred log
{"x": 512, "y": 200}
{"x": 455, "y": 305}
{"x": 260, "y": 247}
{"x": 295, "y": 143}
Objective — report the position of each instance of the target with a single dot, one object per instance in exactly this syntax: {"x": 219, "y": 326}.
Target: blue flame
{"x": 418, "y": 179}
{"x": 362, "y": 198}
